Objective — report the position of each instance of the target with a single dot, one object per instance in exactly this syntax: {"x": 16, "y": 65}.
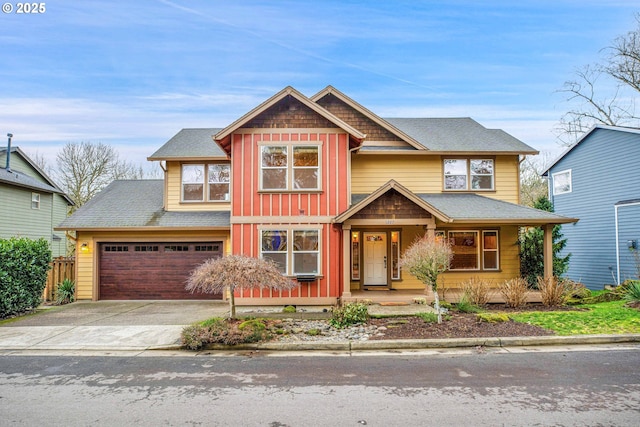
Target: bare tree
{"x": 425, "y": 259}
{"x": 604, "y": 93}
{"x": 85, "y": 168}
{"x": 532, "y": 185}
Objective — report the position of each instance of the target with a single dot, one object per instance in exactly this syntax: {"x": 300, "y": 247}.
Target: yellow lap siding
{"x": 174, "y": 193}
{"x": 424, "y": 174}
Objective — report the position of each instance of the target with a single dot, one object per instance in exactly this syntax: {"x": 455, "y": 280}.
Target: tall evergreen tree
{"x": 531, "y": 248}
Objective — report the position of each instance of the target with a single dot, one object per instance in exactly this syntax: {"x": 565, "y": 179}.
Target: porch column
{"x": 346, "y": 258}
{"x": 430, "y": 228}
{"x": 547, "y": 250}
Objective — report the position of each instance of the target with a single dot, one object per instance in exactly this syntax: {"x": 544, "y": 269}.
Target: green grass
{"x": 603, "y": 318}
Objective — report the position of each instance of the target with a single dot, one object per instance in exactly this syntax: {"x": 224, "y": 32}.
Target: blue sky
{"x": 133, "y": 73}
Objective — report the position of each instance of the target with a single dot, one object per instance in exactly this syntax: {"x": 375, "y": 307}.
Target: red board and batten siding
{"x": 285, "y": 208}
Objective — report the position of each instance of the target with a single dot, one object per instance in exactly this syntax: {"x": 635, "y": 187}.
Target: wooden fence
{"x": 61, "y": 268}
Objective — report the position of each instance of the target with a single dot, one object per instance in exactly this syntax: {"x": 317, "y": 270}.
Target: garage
{"x": 152, "y": 270}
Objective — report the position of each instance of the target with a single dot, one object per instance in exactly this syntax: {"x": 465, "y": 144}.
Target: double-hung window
{"x": 472, "y": 253}
{"x": 468, "y": 174}
{"x": 289, "y": 167}
{"x": 216, "y": 175}
{"x": 301, "y": 257}
{"x": 35, "y": 200}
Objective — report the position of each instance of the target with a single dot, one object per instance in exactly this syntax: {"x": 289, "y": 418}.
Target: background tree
{"x": 230, "y": 272}
{"x": 531, "y": 249}
{"x": 604, "y": 93}
{"x": 85, "y": 168}
{"x": 425, "y": 259}
{"x": 532, "y": 185}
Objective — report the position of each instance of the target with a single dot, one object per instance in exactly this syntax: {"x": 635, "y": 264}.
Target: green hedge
{"x": 23, "y": 274}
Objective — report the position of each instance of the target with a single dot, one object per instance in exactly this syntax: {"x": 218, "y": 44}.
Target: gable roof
{"x": 287, "y": 91}
{"x": 191, "y": 144}
{"x": 460, "y": 208}
{"x": 330, "y": 90}
{"x": 461, "y": 135}
{"x": 24, "y": 180}
{"x": 138, "y": 204}
{"x": 586, "y": 136}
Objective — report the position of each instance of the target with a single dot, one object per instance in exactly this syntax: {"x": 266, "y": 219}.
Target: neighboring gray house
{"x": 598, "y": 181}
{"x": 31, "y": 204}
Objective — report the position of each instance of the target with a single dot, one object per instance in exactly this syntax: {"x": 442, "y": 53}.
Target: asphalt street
{"x": 567, "y": 388}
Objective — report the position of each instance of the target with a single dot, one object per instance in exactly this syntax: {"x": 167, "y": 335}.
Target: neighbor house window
{"x": 471, "y": 253}
{"x": 35, "y": 201}
{"x": 562, "y": 182}
{"x": 290, "y": 167}
{"x": 194, "y": 177}
{"x": 300, "y": 257}
{"x": 468, "y": 174}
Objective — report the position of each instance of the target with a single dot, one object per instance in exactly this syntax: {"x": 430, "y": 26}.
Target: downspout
{"x": 8, "y": 166}
{"x": 618, "y": 237}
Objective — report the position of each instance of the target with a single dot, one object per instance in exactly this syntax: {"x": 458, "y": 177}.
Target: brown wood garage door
{"x": 152, "y": 270}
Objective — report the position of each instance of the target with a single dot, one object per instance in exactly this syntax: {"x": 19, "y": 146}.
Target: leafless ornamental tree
{"x": 425, "y": 259}
{"x": 236, "y": 271}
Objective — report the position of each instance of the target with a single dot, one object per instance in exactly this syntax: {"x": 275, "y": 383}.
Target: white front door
{"x": 375, "y": 259}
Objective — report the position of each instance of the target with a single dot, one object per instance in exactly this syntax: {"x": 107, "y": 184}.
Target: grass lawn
{"x": 602, "y": 318}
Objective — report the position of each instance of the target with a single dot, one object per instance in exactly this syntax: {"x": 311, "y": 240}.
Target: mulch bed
{"x": 465, "y": 325}
{"x": 459, "y": 325}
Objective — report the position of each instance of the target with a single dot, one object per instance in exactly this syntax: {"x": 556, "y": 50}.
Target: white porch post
{"x": 547, "y": 250}
{"x": 346, "y": 261}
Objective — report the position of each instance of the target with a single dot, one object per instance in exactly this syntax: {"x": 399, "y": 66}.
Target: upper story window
{"x": 35, "y": 201}
{"x": 562, "y": 182}
{"x": 468, "y": 174}
{"x": 289, "y": 167}
{"x": 194, "y": 176}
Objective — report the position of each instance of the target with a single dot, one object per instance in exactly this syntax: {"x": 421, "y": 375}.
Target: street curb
{"x": 417, "y": 344}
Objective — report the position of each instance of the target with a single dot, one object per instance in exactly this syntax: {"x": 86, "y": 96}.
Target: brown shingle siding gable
{"x": 356, "y": 119}
{"x": 392, "y": 205}
{"x": 289, "y": 113}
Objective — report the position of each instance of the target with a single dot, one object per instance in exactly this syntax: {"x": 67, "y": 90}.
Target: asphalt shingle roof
{"x": 135, "y": 204}
{"x": 22, "y": 180}
{"x": 470, "y": 207}
{"x": 459, "y": 135}
{"x": 190, "y": 143}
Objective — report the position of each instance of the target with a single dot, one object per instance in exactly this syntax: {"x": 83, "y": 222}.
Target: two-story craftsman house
{"x": 323, "y": 186}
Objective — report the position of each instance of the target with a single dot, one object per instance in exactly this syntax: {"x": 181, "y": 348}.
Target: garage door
{"x": 152, "y": 270}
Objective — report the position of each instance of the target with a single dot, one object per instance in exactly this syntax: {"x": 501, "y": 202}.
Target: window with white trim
{"x": 562, "y": 182}
{"x": 471, "y": 253}
{"x": 465, "y": 174}
{"x": 216, "y": 175}
{"x": 35, "y": 200}
{"x": 290, "y": 167}
{"x": 302, "y": 257}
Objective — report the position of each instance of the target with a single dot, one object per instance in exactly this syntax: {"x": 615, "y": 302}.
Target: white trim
{"x": 618, "y": 236}
{"x": 289, "y": 229}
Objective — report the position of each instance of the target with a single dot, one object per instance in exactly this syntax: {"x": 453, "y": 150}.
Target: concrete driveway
{"x": 107, "y": 325}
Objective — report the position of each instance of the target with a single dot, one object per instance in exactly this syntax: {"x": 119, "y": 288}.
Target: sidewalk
{"x": 142, "y": 326}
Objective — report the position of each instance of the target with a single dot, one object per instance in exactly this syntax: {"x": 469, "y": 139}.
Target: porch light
{"x": 354, "y": 237}
{"x": 85, "y": 247}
